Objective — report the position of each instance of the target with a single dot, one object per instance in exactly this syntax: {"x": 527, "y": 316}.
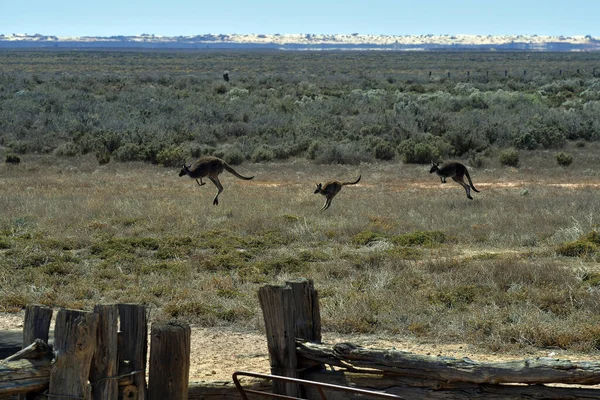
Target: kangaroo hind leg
{"x": 461, "y": 182}
{"x": 219, "y": 189}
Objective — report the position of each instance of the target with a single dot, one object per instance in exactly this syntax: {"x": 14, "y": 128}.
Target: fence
{"x": 102, "y": 355}
{"x": 292, "y": 323}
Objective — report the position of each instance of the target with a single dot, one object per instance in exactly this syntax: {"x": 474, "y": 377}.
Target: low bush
{"x": 564, "y": 159}
{"x": 509, "y": 157}
{"x": 424, "y": 151}
{"x": 584, "y": 246}
{"x": 426, "y": 238}
{"x": 263, "y": 153}
{"x": 172, "y": 156}
{"x": 12, "y": 159}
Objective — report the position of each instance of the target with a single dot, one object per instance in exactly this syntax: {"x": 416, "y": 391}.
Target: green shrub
{"x": 172, "y": 156}
{"x": 584, "y": 246}
{"x": 476, "y": 160}
{"x": 509, "y": 157}
{"x": 426, "y": 238}
{"x": 12, "y": 159}
{"x": 367, "y": 237}
{"x": 263, "y": 153}
{"x": 129, "y": 152}
{"x": 68, "y": 149}
{"x": 423, "y": 151}
{"x": 102, "y": 156}
{"x": 577, "y": 248}
{"x": 18, "y": 146}
{"x": 384, "y": 151}
{"x": 313, "y": 150}
{"x": 564, "y": 159}
{"x": 231, "y": 155}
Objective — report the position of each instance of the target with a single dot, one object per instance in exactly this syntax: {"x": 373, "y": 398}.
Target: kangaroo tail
{"x": 228, "y": 168}
{"x": 470, "y": 181}
{"x": 352, "y": 183}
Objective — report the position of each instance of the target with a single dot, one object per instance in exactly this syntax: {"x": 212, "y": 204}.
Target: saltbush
{"x": 509, "y": 157}
{"x": 102, "y": 156}
{"x": 424, "y": 151}
{"x": 172, "y": 156}
{"x": 231, "y": 155}
{"x": 564, "y": 159}
{"x": 68, "y": 149}
{"x": 129, "y": 152}
{"x": 263, "y": 153}
{"x": 12, "y": 159}
{"x": 384, "y": 151}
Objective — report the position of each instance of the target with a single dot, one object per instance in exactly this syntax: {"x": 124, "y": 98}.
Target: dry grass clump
{"x": 398, "y": 253}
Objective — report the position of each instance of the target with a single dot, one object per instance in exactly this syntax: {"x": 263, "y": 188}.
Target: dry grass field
{"x": 399, "y": 254}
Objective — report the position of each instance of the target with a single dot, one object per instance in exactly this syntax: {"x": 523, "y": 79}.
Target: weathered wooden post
{"x": 505, "y": 73}
{"x": 291, "y": 312}
{"x": 278, "y": 312}
{"x": 170, "y": 346}
{"x": 306, "y": 306}
{"x": 133, "y": 348}
{"x": 105, "y": 363}
{"x": 36, "y": 324}
{"x": 74, "y": 344}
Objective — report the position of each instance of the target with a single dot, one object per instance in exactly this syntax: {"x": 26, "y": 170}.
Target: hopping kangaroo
{"x": 210, "y": 167}
{"x": 330, "y": 189}
{"x": 457, "y": 172}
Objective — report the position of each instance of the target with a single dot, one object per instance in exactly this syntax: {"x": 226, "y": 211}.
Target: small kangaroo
{"x": 330, "y": 189}
{"x": 210, "y": 167}
{"x": 457, "y": 172}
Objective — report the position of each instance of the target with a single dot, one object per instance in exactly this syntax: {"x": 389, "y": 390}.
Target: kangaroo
{"x": 457, "y": 172}
{"x": 330, "y": 189}
{"x": 210, "y": 167}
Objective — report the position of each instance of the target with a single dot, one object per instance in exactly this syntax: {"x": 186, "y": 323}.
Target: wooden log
{"x": 133, "y": 346}
{"x": 223, "y": 390}
{"x": 411, "y": 388}
{"x": 24, "y": 376}
{"x": 36, "y": 324}
{"x": 278, "y": 311}
{"x": 448, "y": 369}
{"x": 105, "y": 363}
{"x": 169, "y": 373}
{"x": 74, "y": 344}
{"x": 37, "y": 349}
{"x": 26, "y": 371}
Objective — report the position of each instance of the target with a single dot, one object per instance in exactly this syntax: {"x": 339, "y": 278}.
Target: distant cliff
{"x": 312, "y": 42}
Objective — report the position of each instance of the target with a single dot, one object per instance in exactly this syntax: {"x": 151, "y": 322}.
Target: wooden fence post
{"x": 74, "y": 343}
{"x": 105, "y": 364}
{"x": 307, "y": 324}
{"x": 36, "y": 324}
{"x": 278, "y": 312}
{"x": 133, "y": 348}
{"x": 169, "y": 361}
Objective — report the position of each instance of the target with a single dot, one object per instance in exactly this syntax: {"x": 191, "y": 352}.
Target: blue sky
{"x": 193, "y": 17}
